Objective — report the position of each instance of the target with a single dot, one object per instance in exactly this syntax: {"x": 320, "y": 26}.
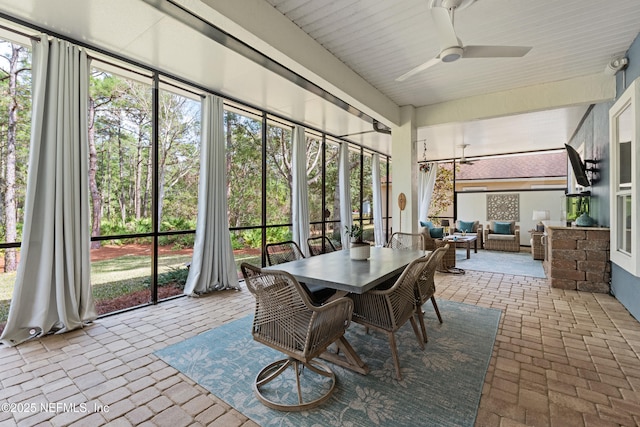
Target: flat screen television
{"x": 579, "y": 168}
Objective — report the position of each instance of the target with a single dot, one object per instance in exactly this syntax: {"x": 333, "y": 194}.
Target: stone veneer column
{"x": 578, "y": 258}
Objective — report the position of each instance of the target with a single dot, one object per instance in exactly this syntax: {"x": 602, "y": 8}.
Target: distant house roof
{"x": 524, "y": 166}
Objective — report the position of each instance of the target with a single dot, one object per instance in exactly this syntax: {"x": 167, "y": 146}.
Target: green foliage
{"x": 177, "y": 241}
{"x": 4, "y": 311}
{"x": 236, "y": 242}
{"x": 171, "y": 223}
{"x": 442, "y": 190}
{"x": 132, "y": 226}
{"x": 176, "y": 277}
{"x": 251, "y": 238}
{"x": 279, "y": 234}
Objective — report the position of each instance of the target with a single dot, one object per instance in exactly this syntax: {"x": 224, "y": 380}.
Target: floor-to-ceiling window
{"x": 243, "y": 136}
{"x": 15, "y": 130}
{"x": 332, "y": 192}
{"x": 144, "y": 168}
{"x": 279, "y": 177}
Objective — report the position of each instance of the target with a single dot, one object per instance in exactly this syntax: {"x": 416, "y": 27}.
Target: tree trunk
{"x": 228, "y": 151}
{"x": 121, "y": 196}
{"x": 96, "y": 199}
{"x": 147, "y": 191}
{"x": 10, "y": 212}
{"x": 138, "y": 187}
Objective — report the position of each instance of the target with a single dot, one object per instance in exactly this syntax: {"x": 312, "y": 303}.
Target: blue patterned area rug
{"x": 441, "y": 385}
{"x": 516, "y": 263}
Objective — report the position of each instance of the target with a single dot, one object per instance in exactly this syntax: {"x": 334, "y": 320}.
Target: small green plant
{"x": 354, "y": 232}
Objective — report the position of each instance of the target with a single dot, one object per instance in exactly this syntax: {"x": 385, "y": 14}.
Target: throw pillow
{"x": 502, "y": 227}
{"x": 436, "y": 232}
{"x": 466, "y": 226}
{"x": 427, "y": 224}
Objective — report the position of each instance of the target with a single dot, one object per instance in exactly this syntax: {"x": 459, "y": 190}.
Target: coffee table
{"x": 467, "y": 242}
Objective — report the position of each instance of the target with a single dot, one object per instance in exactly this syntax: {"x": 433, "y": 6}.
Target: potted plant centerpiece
{"x": 359, "y": 250}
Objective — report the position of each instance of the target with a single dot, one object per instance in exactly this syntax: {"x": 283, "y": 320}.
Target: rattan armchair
{"x": 278, "y": 253}
{"x": 406, "y": 241}
{"x": 502, "y": 242}
{"x": 388, "y": 310}
{"x": 287, "y": 321}
{"x": 426, "y": 287}
{"x": 320, "y": 245}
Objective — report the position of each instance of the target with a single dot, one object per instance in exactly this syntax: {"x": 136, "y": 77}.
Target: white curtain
{"x": 213, "y": 266}
{"x": 425, "y": 190}
{"x": 378, "y": 232}
{"x": 52, "y": 291}
{"x": 345, "y": 193}
{"x": 300, "y": 208}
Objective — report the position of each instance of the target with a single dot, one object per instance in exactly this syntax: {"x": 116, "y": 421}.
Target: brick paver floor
{"x": 561, "y": 358}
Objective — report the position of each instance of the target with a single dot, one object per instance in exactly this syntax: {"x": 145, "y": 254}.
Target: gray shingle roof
{"x": 523, "y": 166}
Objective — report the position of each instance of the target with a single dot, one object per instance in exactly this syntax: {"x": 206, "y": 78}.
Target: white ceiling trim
{"x": 259, "y": 24}
{"x": 579, "y": 91}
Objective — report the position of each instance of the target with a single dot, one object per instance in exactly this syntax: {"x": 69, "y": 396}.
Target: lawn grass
{"x": 112, "y": 278}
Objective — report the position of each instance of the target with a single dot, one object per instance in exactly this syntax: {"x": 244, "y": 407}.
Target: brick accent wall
{"x": 578, "y": 258}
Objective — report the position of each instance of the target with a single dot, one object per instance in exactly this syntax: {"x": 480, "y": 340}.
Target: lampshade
{"x": 540, "y": 215}
{"x": 444, "y": 222}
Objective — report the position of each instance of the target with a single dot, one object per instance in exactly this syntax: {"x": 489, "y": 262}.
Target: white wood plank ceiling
{"x": 381, "y": 40}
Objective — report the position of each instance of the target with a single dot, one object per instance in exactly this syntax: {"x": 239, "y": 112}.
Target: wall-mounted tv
{"x": 579, "y": 168}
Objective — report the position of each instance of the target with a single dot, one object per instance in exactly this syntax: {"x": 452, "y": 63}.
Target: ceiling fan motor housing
{"x": 452, "y": 4}
{"x": 451, "y": 54}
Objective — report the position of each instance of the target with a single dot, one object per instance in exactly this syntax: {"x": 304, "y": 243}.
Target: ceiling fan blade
{"x": 444, "y": 28}
{"x": 421, "y": 67}
{"x": 495, "y": 51}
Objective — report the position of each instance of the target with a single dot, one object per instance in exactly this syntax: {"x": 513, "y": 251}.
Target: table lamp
{"x": 540, "y": 216}
{"x": 445, "y": 224}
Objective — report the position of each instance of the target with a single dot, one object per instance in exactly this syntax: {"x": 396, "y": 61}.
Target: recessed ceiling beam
{"x": 579, "y": 91}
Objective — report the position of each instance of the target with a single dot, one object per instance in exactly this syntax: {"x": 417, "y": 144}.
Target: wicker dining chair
{"x": 406, "y": 241}
{"x": 320, "y": 245}
{"x": 388, "y": 310}
{"x": 426, "y": 287}
{"x": 278, "y": 253}
{"x": 287, "y": 321}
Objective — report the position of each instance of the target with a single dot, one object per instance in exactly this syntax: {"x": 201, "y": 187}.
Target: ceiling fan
{"x": 463, "y": 160}
{"x": 451, "y": 48}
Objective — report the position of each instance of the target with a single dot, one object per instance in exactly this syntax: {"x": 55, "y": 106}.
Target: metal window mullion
{"x": 155, "y": 220}
{"x": 264, "y": 189}
{"x": 361, "y": 186}
{"x": 387, "y": 202}
{"x": 323, "y": 173}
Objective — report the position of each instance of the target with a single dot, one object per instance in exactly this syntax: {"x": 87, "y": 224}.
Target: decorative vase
{"x": 585, "y": 220}
{"x": 360, "y": 251}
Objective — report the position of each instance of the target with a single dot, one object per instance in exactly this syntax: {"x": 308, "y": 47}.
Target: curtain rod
{"x": 20, "y": 33}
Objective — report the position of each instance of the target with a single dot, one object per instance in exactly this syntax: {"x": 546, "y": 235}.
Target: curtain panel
{"x": 425, "y": 190}
{"x": 346, "y": 219}
{"x": 52, "y": 291}
{"x": 300, "y": 208}
{"x": 378, "y": 220}
{"x": 213, "y": 265}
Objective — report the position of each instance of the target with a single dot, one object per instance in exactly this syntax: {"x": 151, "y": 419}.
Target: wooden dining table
{"x": 336, "y": 270}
